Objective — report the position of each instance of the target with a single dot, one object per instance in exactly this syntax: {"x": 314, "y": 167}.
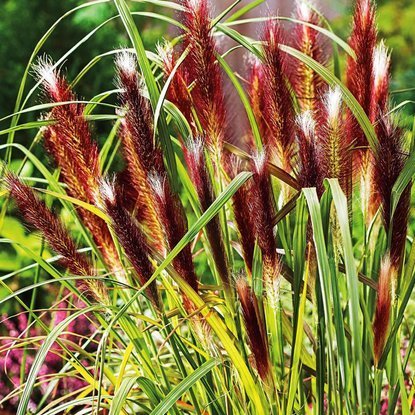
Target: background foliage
{"x": 23, "y": 23}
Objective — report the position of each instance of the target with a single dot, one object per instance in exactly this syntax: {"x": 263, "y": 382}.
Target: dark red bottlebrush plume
{"x": 360, "y": 72}
{"x": 380, "y": 82}
{"x": 131, "y": 238}
{"x": 242, "y": 214}
{"x": 195, "y": 160}
{"x": 308, "y": 170}
{"x": 363, "y": 41}
{"x": 263, "y": 213}
{"x": 389, "y": 160}
{"x": 70, "y": 143}
{"x": 241, "y": 204}
{"x": 173, "y": 219}
{"x": 39, "y": 216}
{"x": 143, "y": 156}
{"x": 178, "y": 92}
{"x": 256, "y": 93}
{"x": 203, "y": 69}
{"x": 307, "y": 84}
{"x": 138, "y": 113}
{"x": 383, "y": 307}
{"x": 278, "y": 112}
{"x": 127, "y": 194}
{"x": 379, "y": 107}
{"x": 69, "y": 139}
{"x": 255, "y": 329}
{"x": 333, "y": 148}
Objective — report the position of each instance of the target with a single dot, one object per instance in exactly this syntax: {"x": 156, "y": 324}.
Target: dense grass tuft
{"x": 178, "y": 272}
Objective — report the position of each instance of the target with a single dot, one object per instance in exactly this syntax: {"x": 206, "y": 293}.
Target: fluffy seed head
{"x": 107, "y": 191}
{"x": 256, "y": 92}
{"x": 252, "y": 60}
{"x": 45, "y": 72}
{"x": 381, "y": 79}
{"x": 125, "y": 61}
{"x": 272, "y": 34}
{"x": 278, "y": 109}
{"x": 360, "y": 75}
{"x": 306, "y": 123}
{"x": 272, "y": 289}
{"x": 263, "y": 213}
{"x": 381, "y": 63}
{"x": 142, "y": 154}
{"x": 194, "y": 5}
{"x": 54, "y": 85}
{"x": 178, "y": 92}
{"x": 389, "y": 161}
{"x": 333, "y": 103}
{"x": 157, "y": 183}
{"x": 304, "y": 11}
{"x": 255, "y": 328}
{"x": 306, "y": 137}
{"x": 174, "y": 223}
{"x": 260, "y": 162}
{"x": 333, "y": 150}
{"x": 307, "y": 84}
{"x": 195, "y": 160}
{"x": 383, "y": 307}
{"x": 130, "y": 236}
{"x": 202, "y": 68}
{"x": 194, "y": 155}
{"x": 242, "y": 211}
{"x": 69, "y": 140}
{"x": 365, "y": 9}
{"x": 40, "y": 217}
{"x": 166, "y": 52}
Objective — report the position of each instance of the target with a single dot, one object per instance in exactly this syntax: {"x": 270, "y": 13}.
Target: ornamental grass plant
{"x": 193, "y": 269}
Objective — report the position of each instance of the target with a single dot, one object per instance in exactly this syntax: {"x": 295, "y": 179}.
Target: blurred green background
{"x": 23, "y": 23}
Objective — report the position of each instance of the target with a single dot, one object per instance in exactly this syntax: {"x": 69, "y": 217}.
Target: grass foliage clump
{"x": 237, "y": 243}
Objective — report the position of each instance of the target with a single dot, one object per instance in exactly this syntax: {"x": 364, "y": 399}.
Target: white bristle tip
{"x": 333, "y": 102}
{"x": 306, "y": 122}
{"x": 126, "y": 62}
